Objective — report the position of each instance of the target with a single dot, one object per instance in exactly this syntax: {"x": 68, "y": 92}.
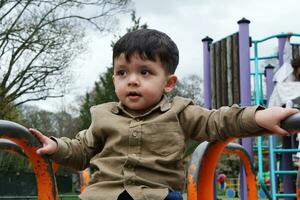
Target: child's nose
{"x": 133, "y": 80}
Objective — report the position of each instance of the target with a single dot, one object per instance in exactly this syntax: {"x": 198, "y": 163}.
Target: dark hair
{"x": 149, "y": 44}
{"x": 296, "y": 65}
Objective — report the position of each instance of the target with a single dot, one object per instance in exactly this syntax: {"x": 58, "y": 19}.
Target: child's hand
{"x": 49, "y": 146}
{"x": 271, "y": 118}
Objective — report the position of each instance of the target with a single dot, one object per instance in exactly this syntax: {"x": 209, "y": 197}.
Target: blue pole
{"x": 256, "y": 71}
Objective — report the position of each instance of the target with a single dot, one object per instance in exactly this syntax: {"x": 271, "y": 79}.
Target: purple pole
{"x": 206, "y": 72}
{"x": 281, "y": 43}
{"x": 245, "y": 90}
{"x": 244, "y": 52}
{"x": 286, "y": 159}
{"x": 207, "y": 83}
{"x": 269, "y": 80}
{"x": 270, "y": 85}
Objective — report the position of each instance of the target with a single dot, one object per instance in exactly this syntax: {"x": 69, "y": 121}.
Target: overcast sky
{"x": 187, "y": 23}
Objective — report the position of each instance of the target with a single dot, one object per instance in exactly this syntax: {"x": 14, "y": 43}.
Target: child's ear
{"x": 171, "y": 83}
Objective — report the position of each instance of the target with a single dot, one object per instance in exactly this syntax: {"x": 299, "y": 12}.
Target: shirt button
{"x": 129, "y": 166}
{"x": 134, "y": 134}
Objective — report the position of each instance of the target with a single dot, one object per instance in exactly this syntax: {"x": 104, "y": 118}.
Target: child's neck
{"x": 137, "y": 113}
{"x": 140, "y": 112}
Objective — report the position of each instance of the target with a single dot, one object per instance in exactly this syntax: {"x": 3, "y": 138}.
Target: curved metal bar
{"x": 239, "y": 150}
{"x": 84, "y": 177}
{"x": 203, "y": 165}
{"x": 18, "y": 134}
{"x": 8, "y": 146}
{"x": 292, "y": 122}
{"x": 276, "y": 36}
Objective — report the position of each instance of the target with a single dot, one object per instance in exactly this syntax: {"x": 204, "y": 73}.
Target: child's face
{"x": 140, "y": 84}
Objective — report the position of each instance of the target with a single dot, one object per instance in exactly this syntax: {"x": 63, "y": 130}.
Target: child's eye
{"x": 121, "y": 73}
{"x": 145, "y": 72}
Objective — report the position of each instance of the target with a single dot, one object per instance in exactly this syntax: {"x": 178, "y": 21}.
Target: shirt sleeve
{"x": 201, "y": 124}
{"x": 76, "y": 153}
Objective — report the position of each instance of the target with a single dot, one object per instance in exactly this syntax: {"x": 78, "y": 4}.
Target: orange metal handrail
{"x": 203, "y": 165}
{"x": 42, "y": 168}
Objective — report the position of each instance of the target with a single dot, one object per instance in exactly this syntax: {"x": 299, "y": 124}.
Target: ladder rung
{"x": 286, "y": 150}
{"x": 285, "y": 195}
{"x": 286, "y": 172}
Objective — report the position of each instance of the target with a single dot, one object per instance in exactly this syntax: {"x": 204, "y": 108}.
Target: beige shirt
{"x": 144, "y": 154}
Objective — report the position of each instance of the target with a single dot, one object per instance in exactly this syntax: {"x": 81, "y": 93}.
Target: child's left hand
{"x": 271, "y": 118}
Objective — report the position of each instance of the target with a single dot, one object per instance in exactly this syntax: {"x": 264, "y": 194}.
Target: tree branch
{"x": 38, "y": 98}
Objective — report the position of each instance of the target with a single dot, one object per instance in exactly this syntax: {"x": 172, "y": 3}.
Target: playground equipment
{"x": 9, "y": 146}
{"x": 227, "y": 80}
{"x": 201, "y": 170}
{"x": 201, "y": 174}
{"x": 41, "y": 165}
{"x": 204, "y": 162}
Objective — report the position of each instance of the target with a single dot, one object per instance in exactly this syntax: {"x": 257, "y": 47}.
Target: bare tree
{"x": 190, "y": 87}
{"x": 39, "y": 39}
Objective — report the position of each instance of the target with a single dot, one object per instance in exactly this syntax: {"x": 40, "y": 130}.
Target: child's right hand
{"x": 49, "y": 146}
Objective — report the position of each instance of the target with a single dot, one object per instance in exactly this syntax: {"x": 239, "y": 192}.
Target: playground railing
{"x": 201, "y": 171}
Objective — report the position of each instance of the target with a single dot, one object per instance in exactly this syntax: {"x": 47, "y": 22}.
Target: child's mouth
{"x": 133, "y": 95}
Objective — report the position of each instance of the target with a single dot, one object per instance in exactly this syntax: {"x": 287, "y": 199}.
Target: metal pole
{"x": 206, "y": 72}
{"x": 281, "y": 43}
{"x": 244, "y": 59}
{"x": 269, "y": 80}
{"x": 287, "y": 162}
{"x": 272, "y": 140}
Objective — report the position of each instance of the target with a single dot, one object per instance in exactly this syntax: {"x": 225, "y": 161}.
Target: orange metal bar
{"x": 42, "y": 168}
{"x": 202, "y": 172}
{"x": 249, "y": 171}
{"x": 84, "y": 177}
{"x": 205, "y": 189}
{"x": 8, "y": 146}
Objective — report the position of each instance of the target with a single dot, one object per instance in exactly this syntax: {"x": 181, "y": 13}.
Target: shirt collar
{"x": 164, "y": 105}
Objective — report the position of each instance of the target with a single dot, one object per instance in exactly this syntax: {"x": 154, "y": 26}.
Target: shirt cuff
{"x": 248, "y": 119}
{"x": 61, "y": 150}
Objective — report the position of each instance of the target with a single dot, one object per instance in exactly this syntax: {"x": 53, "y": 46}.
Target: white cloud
{"x": 187, "y": 23}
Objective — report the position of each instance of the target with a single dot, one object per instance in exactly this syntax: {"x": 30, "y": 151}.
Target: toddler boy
{"x": 137, "y": 145}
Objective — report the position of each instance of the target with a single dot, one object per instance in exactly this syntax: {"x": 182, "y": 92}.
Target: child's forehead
{"x": 136, "y": 56}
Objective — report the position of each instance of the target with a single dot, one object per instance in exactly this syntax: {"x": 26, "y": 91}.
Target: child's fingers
{"x": 280, "y": 131}
{"x": 37, "y": 134}
{"x": 291, "y": 111}
{"x": 43, "y": 150}
{"x": 49, "y": 146}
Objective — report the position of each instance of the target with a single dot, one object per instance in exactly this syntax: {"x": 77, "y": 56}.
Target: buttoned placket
{"x": 134, "y": 149}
